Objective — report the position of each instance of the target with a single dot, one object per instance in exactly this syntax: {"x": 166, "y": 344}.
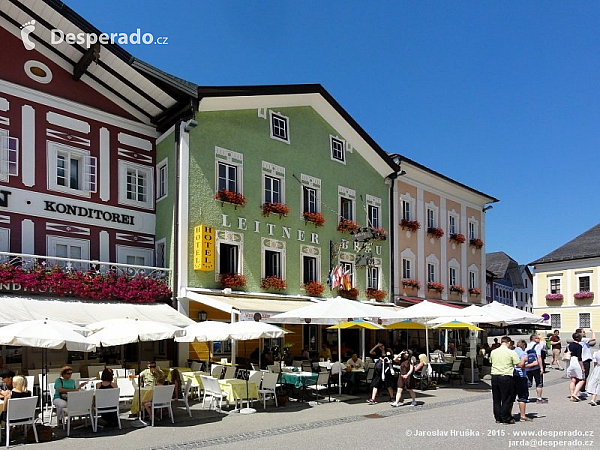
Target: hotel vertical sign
{"x": 204, "y": 248}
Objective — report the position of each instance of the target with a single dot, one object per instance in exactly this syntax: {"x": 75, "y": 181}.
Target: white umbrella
{"x": 330, "y": 312}
{"x": 513, "y": 316}
{"x": 205, "y": 332}
{"x": 126, "y": 331}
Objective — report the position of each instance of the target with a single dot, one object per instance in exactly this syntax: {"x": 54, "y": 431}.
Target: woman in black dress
{"x": 405, "y": 380}
{"x": 383, "y": 377}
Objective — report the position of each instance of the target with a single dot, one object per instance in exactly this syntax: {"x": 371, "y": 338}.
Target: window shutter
{"x": 90, "y": 173}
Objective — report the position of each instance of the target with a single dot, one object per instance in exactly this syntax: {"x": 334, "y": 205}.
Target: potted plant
{"x": 411, "y": 283}
{"x": 275, "y": 208}
{"x": 234, "y": 198}
{"x": 557, "y": 297}
{"x": 474, "y": 291}
{"x": 411, "y": 225}
{"x": 273, "y": 283}
{"x": 457, "y": 288}
{"x": 583, "y": 295}
{"x": 350, "y": 294}
{"x": 433, "y": 286}
{"x": 315, "y": 217}
{"x": 314, "y": 288}
{"x": 477, "y": 243}
{"x": 347, "y": 226}
{"x": 375, "y": 294}
{"x": 457, "y": 237}
{"x": 379, "y": 234}
{"x": 435, "y": 232}
{"x": 232, "y": 280}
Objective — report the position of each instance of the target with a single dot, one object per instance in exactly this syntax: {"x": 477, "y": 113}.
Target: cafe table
{"x": 298, "y": 380}
{"x": 439, "y": 368}
{"x": 238, "y": 390}
{"x": 196, "y": 380}
{"x": 147, "y": 392}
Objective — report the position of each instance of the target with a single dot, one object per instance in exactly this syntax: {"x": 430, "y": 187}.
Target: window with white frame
{"x": 338, "y": 151}
{"x": 135, "y": 256}
{"x": 430, "y": 273}
{"x": 452, "y": 223}
{"x": 229, "y": 173}
{"x": 407, "y": 268}
{"x": 279, "y": 127}
{"x": 162, "y": 179}
{"x": 473, "y": 277}
{"x": 584, "y": 283}
{"x": 373, "y": 211}
{"x": 373, "y": 277}
{"x": 348, "y": 270}
{"x": 228, "y": 258}
{"x": 160, "y": 249}
{"x": 311, "y": 194}
{"x": 555, "y": 285}
{"x": 555, "y": 320}
{"x": 311, "y": 263}
{"x": 273, "y": 183}
{"x": 135, "y": 185}
{"x": 9, "y": 155}
{"x": 433, "y": 265}
{"x": 407, "y": 209}
{"x": 70, "y": 248}
{"x": 452, "y": 276}
{"x": 346, "y": 202}
{"x": 4, "y": 243}
{"x": 273, "y": 257}
{"x": 472, "y": 229}
{"x": 430, "y": 218}
{"x": 585, "y": 320}
{"x": 71, "y": 170}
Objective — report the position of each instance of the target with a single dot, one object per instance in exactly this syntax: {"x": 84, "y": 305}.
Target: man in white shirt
{"x": 355, "y": 362}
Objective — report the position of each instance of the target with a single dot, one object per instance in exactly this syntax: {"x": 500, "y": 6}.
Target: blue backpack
{"x": 531, "y": 357}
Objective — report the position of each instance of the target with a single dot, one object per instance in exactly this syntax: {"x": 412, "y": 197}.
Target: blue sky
{"x": 501, "y": 96}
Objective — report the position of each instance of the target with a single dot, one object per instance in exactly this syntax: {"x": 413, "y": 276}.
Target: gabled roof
{"x": 503, "y": 265}
{"x": 300, "y": 91}
{"x": 147, "y": 93}
{"x": 586, "y": 245}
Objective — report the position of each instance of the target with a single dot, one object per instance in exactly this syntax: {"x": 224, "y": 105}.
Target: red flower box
{"x": 432, "y": 286}
{"x": 350, "y": 294}
{"x": 234, "y": 198}
{"x": 477, "y": 243}
{"x": 273, "y": 283}
{"x": 457, "y": 237}
{"x": 275, "y": 208}
{"x": 232, "y": 280}
{"x": 314, "y": 288}
{"x": 474, "y": 291}
{"x": 347, "y": 226}
{"x": 317, "y": 218}
{"x": 556, "y": 297}
{"x": 583, "y": 295}
{"x": 411, "y": 283}
{"x": 380, "y": 234}
{"x": 411, "y": 225}
{"x": 457, "y": 288}
{"x": 435, "y": 232}
{"x": 375, "y": 294}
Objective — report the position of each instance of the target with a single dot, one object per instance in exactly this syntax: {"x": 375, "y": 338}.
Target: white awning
{"x": 14, "y": 309}
{"x": 246, "y": 307}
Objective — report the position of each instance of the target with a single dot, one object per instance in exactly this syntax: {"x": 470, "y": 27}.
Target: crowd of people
{"x": 517, "y": 367}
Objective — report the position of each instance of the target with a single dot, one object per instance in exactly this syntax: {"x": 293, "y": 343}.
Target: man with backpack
{"x": 534, "y": 364}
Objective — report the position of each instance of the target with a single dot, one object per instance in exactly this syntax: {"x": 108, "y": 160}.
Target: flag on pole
{"x": 346, "y": 283}
{"x": 336, "y": 277}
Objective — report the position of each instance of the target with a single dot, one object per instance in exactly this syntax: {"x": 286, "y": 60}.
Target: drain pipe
{"x": 392, "y": 177}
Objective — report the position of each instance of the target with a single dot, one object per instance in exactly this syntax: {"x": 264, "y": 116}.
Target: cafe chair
{"x": 187, "y": 388}
{"x": 196, "y": 366}
{"x": 213, "y": 390}
{"x": 366, "y": 382}
{"x": 306, "y": 366}
{"x": 50, "y": 406}
{"x": 216, "y": 371}
{"x": 107, "y": 400}
{"x": 230, "y": 372}
{"x": 274, "y": 368}
{"x": 162, "y": 397}
{"x": 20, "y": 411}
{"x": 126, "y": 389}
{"x": 454, "y": 372}
{"x": 268, "y": 387}
{"x": 321, "y": 384}
{"x": 79, "y": 404}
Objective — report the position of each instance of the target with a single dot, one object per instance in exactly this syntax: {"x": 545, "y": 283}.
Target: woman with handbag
{"x": 575, "y": 371}
{"x": 62, "y": 386}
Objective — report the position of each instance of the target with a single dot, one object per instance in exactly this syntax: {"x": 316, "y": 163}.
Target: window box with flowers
{"x": 433, "y": 286}
{"x": 555, "y": 297}
{"x": 584, "y": 295}
{"x": 411, "y": 283}
{"x": 232, "y": 280}
{"x": 350, "y": 294}
{"x": 435, "y": 232}
{"x": 474, "y": 291}
{"x": 457, "y": 289}
{"x": 273, "y": 283}
{"x": 315, "y": 217}
{"x": 457, "y": 237}
{"x": 410, "y": 225}
{"x": 347, "y": 226}
{"x": 379, "y": 234}
{"x": 477, "y": 243}
{"x": 314, "y": 288}
{"x": 375, "y": 294}
{"x": 235, "y": 198}
{"x": 275, "y": 208}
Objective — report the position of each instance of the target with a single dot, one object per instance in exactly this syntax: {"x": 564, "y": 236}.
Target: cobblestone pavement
{"x": 452, "y": 416}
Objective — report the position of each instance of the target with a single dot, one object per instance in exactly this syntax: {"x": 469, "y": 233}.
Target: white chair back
{"x": 269, "y": 380}
{"x": 162, "y": 395}
{"x": 274, "y": 368}
{"x": 196, "y": 366}
{"x": 126, "y": 388}
{"x": 30, "y": 382}
{"x": 94, "y": 370}
{"x": 51, "y": 390}
{"x": 230, "y": 372}
{"x": 255, "y": 377}
{"x": 107, "y": 398}
{"x": 21, "y": 408}
{"x": 79, "y": 402}
{"x": 216, "y": 371}
{"x": 120, "y": 373}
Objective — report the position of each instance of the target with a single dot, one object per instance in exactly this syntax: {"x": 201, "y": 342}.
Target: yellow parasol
{"x": 406, "y": 325}
{"x": 356, "y": 324}
{"x": 456, "y": 325}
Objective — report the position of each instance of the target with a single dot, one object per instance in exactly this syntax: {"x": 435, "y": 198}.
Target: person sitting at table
{"x": 63, "y": 385}
{"x": 106, "y": 382}
{"x": 452, "y": 348}
{"x": 176, "y": 381}
{"x": 7, "y": 383}
{"x": 19, "y": 390}
{"x": 325, "y": 353}
{"x": 305, "y": 353}
{"x": 355, "y": 362}
{"x": 266, "y": 358}
{"x": 152, "y": 376}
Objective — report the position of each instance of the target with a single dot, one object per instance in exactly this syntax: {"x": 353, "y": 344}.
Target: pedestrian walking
{"x": 556, "y": 345}
{"x": 575, "y": 371}
{"x": 503, "y": 361}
